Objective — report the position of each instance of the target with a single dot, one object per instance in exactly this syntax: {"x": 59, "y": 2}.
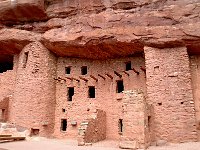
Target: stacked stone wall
{"x": 106, "y": 97}
{"x": 33, "y": 103}
{"x": 169, "y": 90}
{"x": 195, "y": 71}
{"x": 135, "y": 121}
{"x": 93, "y": 129}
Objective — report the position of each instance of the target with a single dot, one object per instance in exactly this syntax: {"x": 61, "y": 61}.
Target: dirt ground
{"x": 52, "y": 144}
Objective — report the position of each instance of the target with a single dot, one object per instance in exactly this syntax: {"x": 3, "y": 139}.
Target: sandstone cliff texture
{"x": 115, "y": 27}
{"x": 47, "y": 36}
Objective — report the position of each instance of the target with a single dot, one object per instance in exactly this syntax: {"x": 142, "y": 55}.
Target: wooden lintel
{"x": 136, "y": 71}
{"x": 76, "y": 79}
{"x": 94, "y": 78}
{"x": 119, "y": 75}
{"x": 109, "y": 75}
{"x": 84, "y": 79}
{"x": 12, "y": 138}
{"x": 101, "y": 76}
{"x": 68, "y": 78}
{"x": 60, "y": 79}
{"x": 143, "y": 69}
{"x": 126, "y": 73}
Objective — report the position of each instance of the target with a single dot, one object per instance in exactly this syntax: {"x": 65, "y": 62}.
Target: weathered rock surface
{"x": 14, "y": 11}
{"x": 12, "y": 41}
{"x": 103, "y": 28}
{"x": 118, "y": 41}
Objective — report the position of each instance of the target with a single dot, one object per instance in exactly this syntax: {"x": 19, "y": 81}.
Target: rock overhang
{"x": 12, "y": 41}
{"x": 102, "y": 43}
{"x": 120, "y": 41}
{"x": 116, "y": 32}
{"x": 19, "y": 11}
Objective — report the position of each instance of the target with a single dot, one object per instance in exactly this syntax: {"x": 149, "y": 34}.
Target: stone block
{"x": 161, "y": 143}
{"x": 128, "y": 145}
{"x": 73, "y": 123}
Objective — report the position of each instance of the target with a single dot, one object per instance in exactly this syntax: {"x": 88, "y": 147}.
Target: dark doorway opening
{"x": 70, "y": 93}
{"x": 120, "y": 86}
{"x": 91, "y": 92}
{"x": 128, "y": 66}
{"x": 83, "y": 70}
{"x": 63, "y": 124}
{"x": 67, "y": 70}
{"x": 6, "y": 63}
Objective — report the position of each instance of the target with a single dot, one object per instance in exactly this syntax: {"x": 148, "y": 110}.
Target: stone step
{"x": 12, "y": 138}
{"x": 3, "y": 135}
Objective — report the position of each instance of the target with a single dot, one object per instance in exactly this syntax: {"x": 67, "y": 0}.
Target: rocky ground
{"x": 41, "y": 144}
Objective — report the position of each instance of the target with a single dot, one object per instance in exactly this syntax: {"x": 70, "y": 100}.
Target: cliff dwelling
{"x": 93, "y": 70}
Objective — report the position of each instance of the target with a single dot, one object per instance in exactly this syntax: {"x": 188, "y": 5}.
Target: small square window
{"x": 35, "y": 132}
{"x": 67, "y": 70}
{"x": 83, "y": 70}
{"x": 128, "y": 66}
{"x": 91, "y": 92}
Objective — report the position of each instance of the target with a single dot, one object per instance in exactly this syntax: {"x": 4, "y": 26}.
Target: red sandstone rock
{"x": 12, "y": 11}
{"x": 12, "y": 41}
{"x": 109, "y": 39}
{"x": 74, "y": 7}
{"x": 165, "y": 31}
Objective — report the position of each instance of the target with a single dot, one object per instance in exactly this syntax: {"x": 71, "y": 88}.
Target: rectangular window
{"x": 120, "y": 86}
{"x": 2, "y": 117}
{"x": 120, "y": 126}
{"x": 67, "y": 70}
{"x": 149, "y": 121}
{"x": 128, "y": 66}
{"x": 83, "y": 70}
{"x": 91, "y": 92}
{"x": 70, "y": 93}
{"x": 35, "y": 132}
{"x": 25, "y": 59}
{"x": 63, "y": 124}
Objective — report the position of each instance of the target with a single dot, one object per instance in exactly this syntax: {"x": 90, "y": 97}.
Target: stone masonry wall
{"x": 135, "y": 120}
{"x": 195, "y": 71}
{"x": 33, "y": 103}
{"x": 93, "y": 129}
{"x": 7, "y": 82}
{"x": 4, "y": 109}
{"x": 106, "y": 99}
{"x": 7, "y": 85}
{"x": 169, "y": 90}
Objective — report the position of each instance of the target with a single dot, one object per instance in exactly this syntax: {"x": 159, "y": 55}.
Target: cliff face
{"x": 107, "y": 28}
